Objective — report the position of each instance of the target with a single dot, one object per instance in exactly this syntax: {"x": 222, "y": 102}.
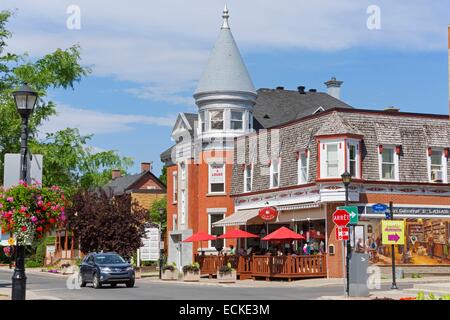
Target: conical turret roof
{"x": 225, "y": 70}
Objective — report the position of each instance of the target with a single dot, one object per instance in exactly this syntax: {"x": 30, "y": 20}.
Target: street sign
{"x": 341, "y": 217}
{"x": 353, "y": 212}
{"x": 150, "y": 250}
{"x": 342, "y": 233}
{"x": 379, "y": 207}
{"x": 393, "y": 232}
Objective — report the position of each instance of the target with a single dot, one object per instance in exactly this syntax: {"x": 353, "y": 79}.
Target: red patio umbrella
{"x": 283, "y": 233}
{"x": 237, "y": 234}
{"x": 200, "y": 236}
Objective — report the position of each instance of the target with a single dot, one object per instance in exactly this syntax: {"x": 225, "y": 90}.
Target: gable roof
{"x": 122, "y": 184}
{"x": 274, "y": 107}
{"x": 335, "y": 125}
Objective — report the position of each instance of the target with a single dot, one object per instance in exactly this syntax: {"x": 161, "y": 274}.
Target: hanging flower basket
{"x": 29, "y": 211}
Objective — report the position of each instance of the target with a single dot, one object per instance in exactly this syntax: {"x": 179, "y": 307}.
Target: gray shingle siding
{"x": 414, "y": 133}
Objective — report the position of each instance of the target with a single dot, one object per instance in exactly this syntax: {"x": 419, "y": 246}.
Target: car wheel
{"x": 80, "y": 280}
{"x": 130, "y": 284}
{"x": 113, "y": 285}
{"x": 96, "y": 283}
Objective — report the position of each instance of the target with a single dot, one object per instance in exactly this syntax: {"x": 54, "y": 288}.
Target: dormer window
{"x": 338, "y": 155}
{"x": 237, "y": 120}
{"x": 332, "y": 160}
{"x": 275, "y": 173}
{"x": 303, "y": 164}
{"x": 388, "y": 161}
{"x": 216, "y": 120}
{"x": 437, "y": 165}
{"x": 248, "y": 178}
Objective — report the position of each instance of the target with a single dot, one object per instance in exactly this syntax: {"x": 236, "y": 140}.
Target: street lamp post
{"x": 346, "y": 179}
{"x": 161, "y": 250}
{"x": 25, "y": 100}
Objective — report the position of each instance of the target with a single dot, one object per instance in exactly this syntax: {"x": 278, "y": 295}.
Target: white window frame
{"x": 224, "y": 179}
{"x": 327, "y": 145}
{"x": 210, "y": 227}
{"x": 175, "y": 187}
{"x": 443, "y": 165}
{"x": 174, "y": 222}
{"x": 357, "y": 145}
{"x": 396, "y": 163}
{"x": 211, "y": 120}
{"x": 241, "y": 121}
{"x": 300, "y": 179}
{"x": 246, "y": 177}
{"x": 272, "y": 172}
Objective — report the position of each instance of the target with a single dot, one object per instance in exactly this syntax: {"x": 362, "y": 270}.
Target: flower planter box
{"x": 170, "y": 275}
{"x": 191, "y": 276}
{"x": 68, "y": 270}
{"x": 226, "y": 277}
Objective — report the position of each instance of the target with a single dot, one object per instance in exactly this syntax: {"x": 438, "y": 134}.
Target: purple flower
{"x": 34, "y": 219}
{"x": 10, "y": 199}
{"x": 1, "y": 205}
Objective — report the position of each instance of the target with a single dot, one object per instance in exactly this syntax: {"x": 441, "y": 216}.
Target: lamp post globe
{"x": 25, "y": 99}
{"x": 346, "y": 178}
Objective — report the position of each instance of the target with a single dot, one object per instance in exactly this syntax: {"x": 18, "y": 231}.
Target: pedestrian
{"x": 232, "y": 250}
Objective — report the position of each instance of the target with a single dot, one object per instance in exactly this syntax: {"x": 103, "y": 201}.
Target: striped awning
{"x": 237, "y": 219}
{"x": 299, "y": 206}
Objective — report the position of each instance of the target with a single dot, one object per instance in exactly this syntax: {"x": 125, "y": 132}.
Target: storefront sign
{"x": 150, "y": 250}
{"x": 353, "y": 212}
{"x": 268, "y": 213}
{"x": 410, "y": 211}
{"x": 216, "y": 173}
{"x": 393, "y": 232}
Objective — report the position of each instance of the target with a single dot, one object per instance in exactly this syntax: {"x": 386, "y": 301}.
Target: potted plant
{"x": 67, "y": 268}
{"x": 170, "y": 272}
{"x": 191, "y": 272}
{"x": 226, "y": 274}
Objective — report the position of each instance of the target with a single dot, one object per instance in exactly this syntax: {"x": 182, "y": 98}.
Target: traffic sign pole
{"x": 394, "y": 282}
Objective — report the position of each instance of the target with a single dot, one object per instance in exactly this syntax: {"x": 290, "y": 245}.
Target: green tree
{"x": 154, "y": 212}
{"x": 163, "y": 176}
{"x": 68, "y": 161}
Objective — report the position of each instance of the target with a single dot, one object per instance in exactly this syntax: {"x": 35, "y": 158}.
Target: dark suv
{"x": 105, "y": 268}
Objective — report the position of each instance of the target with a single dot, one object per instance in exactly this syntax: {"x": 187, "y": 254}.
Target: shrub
{"x": 32, "y": 264}
{"x": 65, "y": 265}
{"x": 226, "y": 268}
{"x": 195, "y": 267}
{"x": 169, "y": 267}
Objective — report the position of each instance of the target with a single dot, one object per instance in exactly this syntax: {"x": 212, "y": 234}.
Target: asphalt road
{"x": 146, "y": 289}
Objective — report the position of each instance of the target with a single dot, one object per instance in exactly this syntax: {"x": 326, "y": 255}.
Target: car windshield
{"x": 109, "y": 259}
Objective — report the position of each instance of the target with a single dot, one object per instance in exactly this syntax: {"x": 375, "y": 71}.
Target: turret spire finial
{"x": 225, "y": 17}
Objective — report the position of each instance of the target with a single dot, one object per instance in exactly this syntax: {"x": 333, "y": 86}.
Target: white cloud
{"x": 162, "y": 46}
{"x": 95, "y": 122}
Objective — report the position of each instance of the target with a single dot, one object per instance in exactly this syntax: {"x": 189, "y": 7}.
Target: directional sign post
{"x": 353, "y": 212}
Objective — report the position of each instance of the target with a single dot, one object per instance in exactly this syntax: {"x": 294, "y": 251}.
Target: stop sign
{"x": 341, "y": 217}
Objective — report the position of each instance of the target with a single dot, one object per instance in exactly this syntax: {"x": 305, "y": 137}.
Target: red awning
{"x": 200, "y": 236}
{"x": 283, "y": 234}
{"x": 237, "y": 234}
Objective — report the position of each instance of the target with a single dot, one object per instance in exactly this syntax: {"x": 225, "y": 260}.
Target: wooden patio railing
{"x": 268, "y": 267}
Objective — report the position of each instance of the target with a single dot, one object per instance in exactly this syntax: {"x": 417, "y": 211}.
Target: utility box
{"x": 358, "y": 275}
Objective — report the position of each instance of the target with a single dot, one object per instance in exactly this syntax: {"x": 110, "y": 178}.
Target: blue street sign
{"x": 387, "y": 215}
{"x": 379, "y": 207}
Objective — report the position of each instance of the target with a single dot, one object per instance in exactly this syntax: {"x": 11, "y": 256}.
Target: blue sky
{"x": 146, "y": 57}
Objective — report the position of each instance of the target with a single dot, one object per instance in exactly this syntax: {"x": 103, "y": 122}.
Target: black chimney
{"x": 301, "y": 89}
{"x": 312, "y": 90}
{"x": 280, "y": 88}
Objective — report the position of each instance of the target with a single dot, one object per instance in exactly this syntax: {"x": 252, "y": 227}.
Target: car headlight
{"x": 129, "y": 268}
{"x": 105, "y": 269}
